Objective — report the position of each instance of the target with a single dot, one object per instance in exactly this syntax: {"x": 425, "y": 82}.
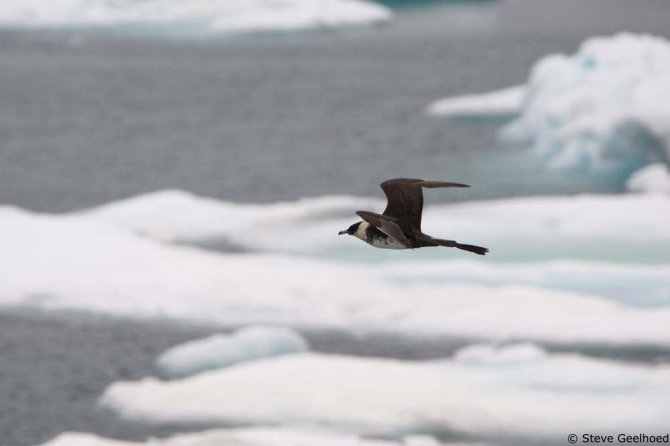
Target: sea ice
{"x": 199, "y": 16}
{"x": 632, "y": 284}
{"x": 623, "y": 228}
{"x": 80, "y": 263}
{"x": 654, "y": 178}
{"x": 535, "y": 396}
{"x": 597, "y": 110}
{"x": 257, "y": 436}
{"x": 220, "y": 350}
{"x": 505, "y": 103}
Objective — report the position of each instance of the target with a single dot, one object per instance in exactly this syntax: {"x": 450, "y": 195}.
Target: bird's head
{"x": 351, "y": 230}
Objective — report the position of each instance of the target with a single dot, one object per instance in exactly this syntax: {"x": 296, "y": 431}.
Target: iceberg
{"x": 535, "y": 396}
{"x": 258, "y": 436}
{"x": 654, "y": 178}
{"x": 594, "y": 111}
{"x": 196, "y": 16}
{"x": 598, "y": 109}
{"x": 219, "y": 351}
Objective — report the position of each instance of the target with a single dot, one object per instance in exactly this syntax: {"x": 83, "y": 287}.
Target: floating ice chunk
{"x": 78, "y": 263}
{"x": 490, "y": 354}
{"x": 654, "y": 178}
{"x": 623, "y": 228}
{"x": 183, "y": 217}
{"x": 541, "y": 399}
{"x": 220, "y": 351}
{"x": 198, "y": 16}
{"x": 636, "y": 285}
{"x": 238, "y": 437}
{"x": 599, "y": 108}
{"x": 614, "y": 228}
{"x": 595, "y": 110}
{"x": 505, "y": 103}
{"x": 84, "y": 439}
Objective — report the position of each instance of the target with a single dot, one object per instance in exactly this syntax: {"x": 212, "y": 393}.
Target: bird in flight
{"x": 399, "y": 227}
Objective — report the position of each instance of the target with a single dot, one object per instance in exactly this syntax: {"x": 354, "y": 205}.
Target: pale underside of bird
{"x": 399, "y": 227}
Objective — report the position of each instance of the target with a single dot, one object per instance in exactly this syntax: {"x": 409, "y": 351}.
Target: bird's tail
{"x": 470, "y": 248}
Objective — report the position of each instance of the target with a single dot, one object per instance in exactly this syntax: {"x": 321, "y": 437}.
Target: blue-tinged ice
{"x": 222, "y": 350}
{"x": 597, "y": 110}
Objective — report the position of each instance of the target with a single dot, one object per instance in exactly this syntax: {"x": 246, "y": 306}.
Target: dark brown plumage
{"x": 399, "y": 227}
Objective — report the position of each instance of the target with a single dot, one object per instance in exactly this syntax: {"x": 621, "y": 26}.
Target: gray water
{"x": 86, "y": 119}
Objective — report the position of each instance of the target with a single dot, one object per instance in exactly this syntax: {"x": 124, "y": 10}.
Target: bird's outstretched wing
{"x": 405, "y": 198}
{"x": 386, "y": 224}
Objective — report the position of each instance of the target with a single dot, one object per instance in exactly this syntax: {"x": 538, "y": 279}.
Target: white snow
{"x": 220, "y": 350}
{"x": 534, "y": 396}
{"x": 654, "y": 178}
{"x": 613, "y": 228}
{"x": 505, "y": 103}
{"x": 176, "y": 215}
{"x": 196, "y": 15}
{"x": 636, "y": 285}
{"x": 258, "y": 436}
{"x": 488, "y": 354}
{"x": 80, "y": 263}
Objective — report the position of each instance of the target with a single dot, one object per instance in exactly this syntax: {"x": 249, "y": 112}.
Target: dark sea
{"x": 87, "y": 118}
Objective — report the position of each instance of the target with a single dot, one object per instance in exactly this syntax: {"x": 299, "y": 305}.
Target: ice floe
{"x": 624, "y": 228}
{"x": 176, "y": 215}
{"x": 204, "y": 16}
{"x": 82, "y": 263}
{"x": 534, "y": 396}
{"x": 636, "y": 285}
{"x": 258, "y": 436}
{"x": 505, "y": 103}
{"x": 221, "y": 350}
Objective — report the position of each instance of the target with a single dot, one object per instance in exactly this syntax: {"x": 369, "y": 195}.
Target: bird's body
{"x": 399, "y": 227}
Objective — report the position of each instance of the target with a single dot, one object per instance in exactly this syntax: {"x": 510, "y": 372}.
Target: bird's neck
{"x": 361, "y": 231}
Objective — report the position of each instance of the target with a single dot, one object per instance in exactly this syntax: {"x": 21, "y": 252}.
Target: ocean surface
{"x": 88, "y": 118}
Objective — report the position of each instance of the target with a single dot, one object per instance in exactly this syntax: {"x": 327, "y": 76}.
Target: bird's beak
{"x": 342, "y": 232}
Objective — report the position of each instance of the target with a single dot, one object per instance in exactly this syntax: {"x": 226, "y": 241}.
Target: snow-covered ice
{"x": 654, "y": 178}
{"x": 258, "y": 436}
{"x": 636, "y": 285}
{"x": 218, "y": 351}
{"x": 203, "y": 16}
{"x": 176, "y": 215}
{"x": 530, "y": 394}
{"x": 505, "y": 103}
{"x": 83, "y": 262}
{"x": 625, "y": 228}
{"x": 76, "y": 263}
